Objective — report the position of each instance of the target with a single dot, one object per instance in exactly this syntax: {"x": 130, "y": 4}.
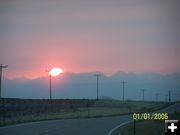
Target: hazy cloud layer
{"x": 83, "y": 85}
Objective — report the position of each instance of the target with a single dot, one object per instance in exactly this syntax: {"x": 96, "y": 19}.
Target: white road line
{"x": 18, "y": 125}
{"x": 175, "y": 106}
{"x": 122, "y": 124}
{"x": 25, "y": 124}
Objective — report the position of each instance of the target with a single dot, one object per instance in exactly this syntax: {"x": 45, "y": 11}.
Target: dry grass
{"x": 148, "y": 127}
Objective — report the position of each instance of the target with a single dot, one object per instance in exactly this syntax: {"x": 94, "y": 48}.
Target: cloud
{"x": 83, "y": 85}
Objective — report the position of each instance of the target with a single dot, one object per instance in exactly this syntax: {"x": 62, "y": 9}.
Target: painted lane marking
{"x": 122, "y": 124}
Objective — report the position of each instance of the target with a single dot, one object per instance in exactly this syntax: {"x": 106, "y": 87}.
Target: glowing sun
{"x": 55, "y": 71}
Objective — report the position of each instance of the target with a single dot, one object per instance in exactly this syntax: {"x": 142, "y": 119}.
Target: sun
{"x": 55, "y": 71}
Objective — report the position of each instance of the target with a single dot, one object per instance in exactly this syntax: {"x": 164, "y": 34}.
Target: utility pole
{"x": 97, "y": 76}
{"x": 3, "y": 101}
{"x": 1, "y": 69}
{"x": 143, "y": 94}
{"x": 50, "y": 96}
{"x": 123, "y": 82}
{"x": 169, "y": 96}
{"x": 50, "y": 87}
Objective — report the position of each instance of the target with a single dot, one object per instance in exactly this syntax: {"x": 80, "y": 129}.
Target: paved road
{"x": 173, "y": 108}
{"x": 94, "y": 126}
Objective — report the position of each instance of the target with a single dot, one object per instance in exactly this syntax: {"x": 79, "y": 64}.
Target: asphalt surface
{"x": 93, "y": 126}
{"x": 171, "y": 109}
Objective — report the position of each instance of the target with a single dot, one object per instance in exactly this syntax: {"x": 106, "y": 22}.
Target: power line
{"x": 97, "y": 76}
{"x": 123, "y": 82}
{"x": 1, "y": 69}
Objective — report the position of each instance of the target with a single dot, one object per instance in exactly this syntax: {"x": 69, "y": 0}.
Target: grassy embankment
{"x": 148, "y": 127}
{"x": 21, "y": 110}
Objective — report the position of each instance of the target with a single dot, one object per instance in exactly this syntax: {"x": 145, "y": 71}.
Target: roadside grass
{"x": 148, "y": 127}
{"x": 100, "y": 108}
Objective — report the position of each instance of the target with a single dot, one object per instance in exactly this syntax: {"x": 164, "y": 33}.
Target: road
{"x": 93, "y": 126}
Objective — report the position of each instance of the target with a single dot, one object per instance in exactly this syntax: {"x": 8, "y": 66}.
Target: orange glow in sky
{"x": 55, "y": 71}
{"x": 85, "y": 37}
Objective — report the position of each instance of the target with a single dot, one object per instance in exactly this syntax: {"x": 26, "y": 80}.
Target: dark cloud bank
{"x": 83, "y": 85}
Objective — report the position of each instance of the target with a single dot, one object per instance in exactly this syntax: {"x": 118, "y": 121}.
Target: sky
{"x": 89, "y": 36}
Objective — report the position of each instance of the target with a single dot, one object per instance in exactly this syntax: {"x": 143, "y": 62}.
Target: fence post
{"x": 3, "y": 106}
{"x": 134, "y": 127}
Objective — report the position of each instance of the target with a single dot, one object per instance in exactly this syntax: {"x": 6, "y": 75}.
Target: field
{"x": 148, "y": 127}
{"x": 14, "y": 111}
